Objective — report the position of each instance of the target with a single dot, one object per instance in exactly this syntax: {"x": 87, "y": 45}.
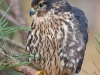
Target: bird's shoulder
{"x": 82, "y": 21}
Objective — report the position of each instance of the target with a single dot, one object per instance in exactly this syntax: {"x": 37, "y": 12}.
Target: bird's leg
{"x": 41, "y": 73}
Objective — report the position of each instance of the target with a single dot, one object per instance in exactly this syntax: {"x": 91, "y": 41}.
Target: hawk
{"x": 58, "y": 37}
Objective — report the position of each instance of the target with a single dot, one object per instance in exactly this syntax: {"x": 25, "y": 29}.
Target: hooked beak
{"x": 32, "y": 11}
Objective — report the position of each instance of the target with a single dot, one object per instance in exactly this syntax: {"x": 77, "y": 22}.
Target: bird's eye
{"x": 41, "y": 4}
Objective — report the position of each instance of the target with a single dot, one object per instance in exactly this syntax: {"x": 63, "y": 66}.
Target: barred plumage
{"x": 58, "y": 36}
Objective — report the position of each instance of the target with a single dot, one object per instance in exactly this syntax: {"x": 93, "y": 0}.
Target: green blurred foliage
{"x": 12, "y": 72}
{"x": 97, "y": 38}
{"x": 4, "y": 6}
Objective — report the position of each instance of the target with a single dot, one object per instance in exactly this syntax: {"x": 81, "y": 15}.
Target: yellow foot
{"x": 41, "y": 73}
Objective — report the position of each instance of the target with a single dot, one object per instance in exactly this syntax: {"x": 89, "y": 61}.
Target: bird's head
{"x": 39, "y": 7}
{"x": 42, "y": 7}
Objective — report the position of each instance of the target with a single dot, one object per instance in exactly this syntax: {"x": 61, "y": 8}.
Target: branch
{"x": 16, "y": 12}
{"x": 9, "y": 17}
{"x": 14, "y": 43}
{"x": 26, "y": 70}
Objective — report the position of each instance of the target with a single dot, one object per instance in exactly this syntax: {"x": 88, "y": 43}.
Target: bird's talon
{"x": 41, "y": 73}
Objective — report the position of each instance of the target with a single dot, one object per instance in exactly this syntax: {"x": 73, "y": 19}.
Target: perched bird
{"x": 58, "y": 37}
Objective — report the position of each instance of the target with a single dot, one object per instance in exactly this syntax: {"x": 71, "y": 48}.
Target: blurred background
{"x": 91, "y": 9}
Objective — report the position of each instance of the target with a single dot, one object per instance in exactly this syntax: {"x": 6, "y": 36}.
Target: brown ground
{"x": 91, "y": 53}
